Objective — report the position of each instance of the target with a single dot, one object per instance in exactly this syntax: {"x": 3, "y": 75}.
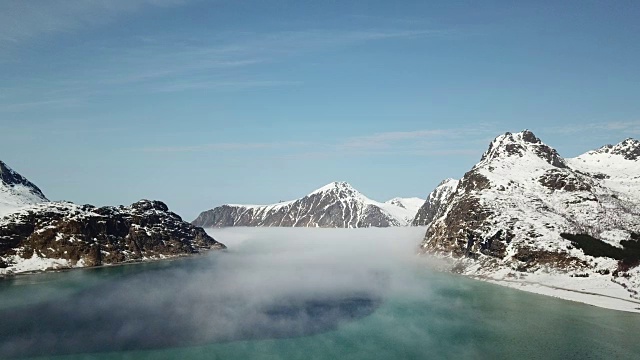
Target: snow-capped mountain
{"x": 509, "y": 211}
{"x": 37, "y": 235}
{"x": 16, "y": 191}
{"x": 337, "y": 204}
{"x": 412, "y": 205}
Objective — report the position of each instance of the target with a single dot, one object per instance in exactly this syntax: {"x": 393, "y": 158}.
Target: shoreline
{"x": 167, "y": 258}
{"x": 597, "y": 291}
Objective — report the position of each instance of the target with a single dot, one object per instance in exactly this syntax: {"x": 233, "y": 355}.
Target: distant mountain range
{"x": 522, "y": 210}
{"x": 336, "y": 205}
{"x": 37, "y": 234}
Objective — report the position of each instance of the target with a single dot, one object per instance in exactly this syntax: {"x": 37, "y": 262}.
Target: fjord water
{"x": 299, "y": 294}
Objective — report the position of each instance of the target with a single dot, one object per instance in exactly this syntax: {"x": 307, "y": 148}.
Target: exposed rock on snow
{"x": 506, "y": 214}
{"x": 337, "y": 205}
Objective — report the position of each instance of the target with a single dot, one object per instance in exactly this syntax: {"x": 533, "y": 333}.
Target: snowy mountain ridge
{"x": 628, "y": 148}
{"x": 506, "y": 216}
{"x": 336, "y": 204}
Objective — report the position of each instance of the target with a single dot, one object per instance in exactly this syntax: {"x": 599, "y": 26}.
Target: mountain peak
{"x": 9, "y": 177}
{"x": 519, "y": 144}
{"x": 629, "y": 148}
{"x": 339, "y": 187}
{"x": 16, "y": 190}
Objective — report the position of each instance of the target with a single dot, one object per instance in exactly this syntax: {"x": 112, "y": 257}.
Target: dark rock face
{"x": 533, "y": 257}
{"x": 436, "y": 203}
{"x": 465, "y": 213}
{"x": 90, "y": 236}
{"x": 339, "y": 206}
{"x": 564, "y": 180}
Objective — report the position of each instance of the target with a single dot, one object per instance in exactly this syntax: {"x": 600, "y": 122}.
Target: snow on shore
{"x": 595, "y": 290}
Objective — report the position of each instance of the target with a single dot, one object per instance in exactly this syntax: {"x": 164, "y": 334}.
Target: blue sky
{"x": 200, "y": 103}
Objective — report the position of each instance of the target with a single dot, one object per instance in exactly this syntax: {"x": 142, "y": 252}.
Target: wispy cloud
{"x": 437, "y": 142}
{"x": 26, "y": 20}
{"x": 182, "y": 85}
{"x": 417, "y": 139}
{"x": 227, "y": 61}
{"x": 50, "y": 102}
{"x": 153, "y": 66}
{"x": 225, "y": 147}
{"x": 630, "y": 127}
{"x": 387, "y": 139}
{"x": 164, "y": 60}
{"x": 168, "y": 62}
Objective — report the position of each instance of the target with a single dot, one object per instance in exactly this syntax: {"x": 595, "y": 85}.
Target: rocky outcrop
{"x": 336, "y": 205}
{"x": 520, "y": 145}
{"x": 37, "y": 235}
{"x": 62, "y": 235}
{"x": 629, "y": 149}
{"x": 436, "y": 203}
{"x": 509, "y": 211}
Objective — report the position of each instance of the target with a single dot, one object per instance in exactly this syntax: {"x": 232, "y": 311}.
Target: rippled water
{"x": 299, "y": 294}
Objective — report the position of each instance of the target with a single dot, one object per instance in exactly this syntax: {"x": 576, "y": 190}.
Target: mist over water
{"x": 282, "y": 293}
{"x": 272, "y": 283}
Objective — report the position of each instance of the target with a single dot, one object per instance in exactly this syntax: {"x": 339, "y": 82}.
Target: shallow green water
{"x": 424, "y": 315}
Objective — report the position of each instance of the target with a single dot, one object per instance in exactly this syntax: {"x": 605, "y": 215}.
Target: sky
{"x": 201, "y": 103}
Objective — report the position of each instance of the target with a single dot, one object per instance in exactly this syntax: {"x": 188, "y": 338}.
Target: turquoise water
{"x": 403, "y": 311}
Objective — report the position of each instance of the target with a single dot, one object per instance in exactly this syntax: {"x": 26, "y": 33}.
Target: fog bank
{"x": 271, "y": 283}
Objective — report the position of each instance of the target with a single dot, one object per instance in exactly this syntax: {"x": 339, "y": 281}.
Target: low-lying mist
{"x": 271, "y": 283}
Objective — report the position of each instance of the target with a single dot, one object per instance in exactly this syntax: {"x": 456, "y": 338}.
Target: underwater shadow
{"x": 160, "y": 309}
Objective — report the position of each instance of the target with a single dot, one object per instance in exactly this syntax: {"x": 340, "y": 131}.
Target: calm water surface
{"x": 239, "y": 305}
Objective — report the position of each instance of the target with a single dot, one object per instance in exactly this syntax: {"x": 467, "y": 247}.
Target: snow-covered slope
{"x": 412, "y": 205}
{"x": 16, "y": 191}
{"x": 506, "y": 214}
{"x": 336, "y": 204}
{"x": 616, "y": 166}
